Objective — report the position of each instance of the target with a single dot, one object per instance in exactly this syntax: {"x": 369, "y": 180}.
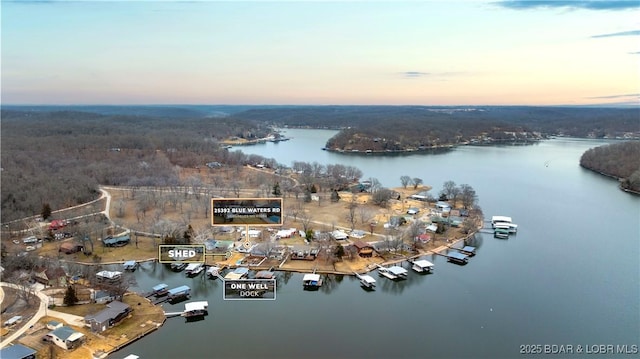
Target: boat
{"x": 193, "y": 269}
{"x": 422, "y": 266}
{"x": 311, "y": 281}
{"x": 213, "y": 272}
{"x": 393, "y": 272}
{"x": 457, "y": 257}
{"x": 178, "y": 266}
{"x": 501, "y": 233}
{"x": 499, "y": 220}
{"x": 367, "y": 281}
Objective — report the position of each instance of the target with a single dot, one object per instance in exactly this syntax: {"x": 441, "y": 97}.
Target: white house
{"x": 66, "y": 338}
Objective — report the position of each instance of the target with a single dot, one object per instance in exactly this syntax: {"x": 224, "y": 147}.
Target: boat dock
{"x": 455, "y": 257}
{"x": 468, "y": 250}
{"x": 366, "y": 281}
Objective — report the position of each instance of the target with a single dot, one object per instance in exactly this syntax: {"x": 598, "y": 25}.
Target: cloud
{"x": 414, "y": 74}
{"x": 635, "y": 53}
{"x": 418, "y": 74}
{"x": 623, "y": 33}
{"x": 571, "y": 4}
{"x": 631, "y": 96}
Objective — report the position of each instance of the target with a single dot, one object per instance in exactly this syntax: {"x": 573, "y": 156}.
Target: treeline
{"x": 60, "y": 157}
{"x": 620, "y": 160}
{"x": 401, "y": 127}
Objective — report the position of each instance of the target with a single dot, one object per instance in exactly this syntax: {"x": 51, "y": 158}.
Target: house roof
{"x": 66, "y": 333}
{"x": 361, "y": 244}
{"x": 16, "y": 351}
{"x": 113, "y": 309}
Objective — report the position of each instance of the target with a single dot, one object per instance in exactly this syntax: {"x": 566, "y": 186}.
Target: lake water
{"x": 569, "y": 277}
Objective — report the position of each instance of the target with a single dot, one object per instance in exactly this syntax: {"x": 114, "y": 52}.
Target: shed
{"x": 17, "y": 351}
{"x": 53, "y": 325}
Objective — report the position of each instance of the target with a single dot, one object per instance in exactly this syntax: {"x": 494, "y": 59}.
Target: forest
{"x": 59, "y": 158}
{"x": 397, "y": 128}
{"x": 58, "y": 155}
{"x": 619, "y": 160}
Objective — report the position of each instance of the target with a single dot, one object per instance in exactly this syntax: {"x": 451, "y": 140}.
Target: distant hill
{"x": 398, "y": 128}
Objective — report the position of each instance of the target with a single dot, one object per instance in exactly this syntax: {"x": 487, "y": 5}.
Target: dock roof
{"x": 311, "y": 277}
{"x": 160, "y": 287}
{"x": 423, "y": 263}
{"x": 191, "y": 306}
{"x": 469, "y": 249}
{"x": 457, "y": 255}
{"x": 397, "y": 270}
{"x": 180, "y": 289}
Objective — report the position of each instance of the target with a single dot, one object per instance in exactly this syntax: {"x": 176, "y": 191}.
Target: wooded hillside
{"x": 620, "y": 160}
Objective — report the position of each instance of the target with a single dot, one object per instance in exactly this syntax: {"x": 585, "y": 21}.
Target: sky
{"x": 512, "y": 52}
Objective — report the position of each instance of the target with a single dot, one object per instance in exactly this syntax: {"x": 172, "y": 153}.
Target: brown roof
{"x": 361, "y": 244}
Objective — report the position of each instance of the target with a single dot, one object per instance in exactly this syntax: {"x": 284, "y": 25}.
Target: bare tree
{"x": 416, "y": 182}
{"x": 467, "y": 196}
{"x": 351, "y": 216}
{"x": 366, "y": 214}
{"x": 405, "y": 180}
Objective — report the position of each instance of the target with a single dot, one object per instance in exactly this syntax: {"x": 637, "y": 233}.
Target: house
{"x": 115, "y": 312}
{"x": 57, "y": 224}
{"x": 103, "y": 297}
{"x": 55, "y": 277}
{"x": 118, "y": 241}
{"x": 70, "y": 247}
{"x": 66, "y": 338}
{"x": 108, "y": 276}
{"x": 17, "y": 351}
{"x": 339, "y": 235}
{"x": 364, "y": 249}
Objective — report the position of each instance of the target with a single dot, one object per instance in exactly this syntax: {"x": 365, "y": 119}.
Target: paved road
{"x": 39, "y": 314}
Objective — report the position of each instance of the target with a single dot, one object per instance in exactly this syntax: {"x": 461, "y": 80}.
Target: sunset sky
{"x": 315, "y": 52}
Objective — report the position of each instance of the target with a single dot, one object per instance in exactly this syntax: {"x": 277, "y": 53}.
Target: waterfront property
{"x": 393, "y": 272}
{"x": 114, "y": 313}
{"x": 422, "y": 266}
{"x": 311, "y": 281}
{"x": 364, "y": 249}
